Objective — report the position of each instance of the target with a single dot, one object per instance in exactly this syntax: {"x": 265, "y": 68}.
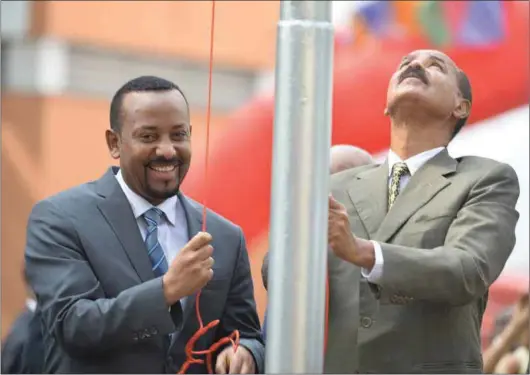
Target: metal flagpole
{"x": 300, "y": 187}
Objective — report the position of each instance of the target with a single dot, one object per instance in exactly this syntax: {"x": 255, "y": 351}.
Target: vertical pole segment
{"x": 300, "y": 188}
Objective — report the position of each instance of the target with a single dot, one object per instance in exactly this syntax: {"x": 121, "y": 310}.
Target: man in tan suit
{"x": 429, "y": 233}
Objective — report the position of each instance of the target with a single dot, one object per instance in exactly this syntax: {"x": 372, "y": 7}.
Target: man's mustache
{"x": 414, "y": 71}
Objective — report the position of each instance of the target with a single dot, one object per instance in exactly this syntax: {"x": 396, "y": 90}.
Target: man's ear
{"x": 463, "y": 109}
{"x": 386, "y": 112}
{"x": 113, "y": 143}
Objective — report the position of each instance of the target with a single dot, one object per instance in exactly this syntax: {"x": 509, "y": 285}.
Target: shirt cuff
{"x": 375, "y": 274}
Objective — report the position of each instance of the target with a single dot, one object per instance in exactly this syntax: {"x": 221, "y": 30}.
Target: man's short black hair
{"x": 465, "y": 89}
{"x": 140, "y": 84}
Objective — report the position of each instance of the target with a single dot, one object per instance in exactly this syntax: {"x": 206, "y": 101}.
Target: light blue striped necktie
{"x": 158, "y": 260}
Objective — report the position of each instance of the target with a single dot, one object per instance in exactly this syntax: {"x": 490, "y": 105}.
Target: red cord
{"x": 191, "y": 355}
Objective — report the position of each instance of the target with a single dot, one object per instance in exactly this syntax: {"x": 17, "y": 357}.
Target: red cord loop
{"x": 191, "y": 355}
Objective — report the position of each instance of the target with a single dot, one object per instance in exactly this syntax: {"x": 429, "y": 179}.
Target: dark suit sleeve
{"x": 13, "y": 346}
{"x": 74, "y": 307}
{"x": 477, "y": 246}
{"x": 265, "y": 271}
{"x": 240, "y": 310}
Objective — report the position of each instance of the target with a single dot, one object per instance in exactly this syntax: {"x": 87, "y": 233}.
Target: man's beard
{"x": 166, "y": 194}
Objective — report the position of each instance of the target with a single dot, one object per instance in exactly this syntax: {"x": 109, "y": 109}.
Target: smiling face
{"x": 427, "y": 80}
{"x": 153, "y": 144}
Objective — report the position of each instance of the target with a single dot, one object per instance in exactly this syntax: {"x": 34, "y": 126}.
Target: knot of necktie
{"x": 153, "y": 216}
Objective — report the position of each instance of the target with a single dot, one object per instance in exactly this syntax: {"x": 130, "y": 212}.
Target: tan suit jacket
{"x": 445, "y": 240}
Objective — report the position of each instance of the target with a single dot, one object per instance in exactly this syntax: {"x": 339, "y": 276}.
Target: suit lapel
{"x": 369, "y": 196}
{"x": 421, "y": 188}
{"x": 194, "y": 219}
{"x": 193, "y": 215}
{"x": 118, "y": 212}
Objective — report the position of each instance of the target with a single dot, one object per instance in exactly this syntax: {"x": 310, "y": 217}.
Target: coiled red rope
{"x": 233, "y": 338}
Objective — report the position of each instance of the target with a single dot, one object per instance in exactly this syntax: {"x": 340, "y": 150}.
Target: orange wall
{"x": 50, "y": 144}
{"x": 16, "y": 202}
{"x": 245, "y": 31}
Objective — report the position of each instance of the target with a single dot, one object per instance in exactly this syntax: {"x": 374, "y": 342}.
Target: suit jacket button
{"x": 366, "y": 322}
{"x": 135, "y": 337}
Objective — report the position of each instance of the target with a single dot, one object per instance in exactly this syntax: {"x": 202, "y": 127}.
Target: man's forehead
{"x": 430, "y": 54}
{"x": 155, "y": 97}
{"x": 138, "y": 102}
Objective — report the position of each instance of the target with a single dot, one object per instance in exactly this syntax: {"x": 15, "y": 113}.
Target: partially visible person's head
{"x": 346, "y": 156}
{"x": 150, "y": 134}
{"x": 429, "y": 82}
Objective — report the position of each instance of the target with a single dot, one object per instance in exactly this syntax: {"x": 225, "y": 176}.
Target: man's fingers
{"x": 208, "y": 263}
{"x": 221, "y": 366}
{"x": 204, "y": 253}
{"x": 198, "y": 241}
{"x": 247, "y": 368}
{"x": 333, "y": 204}
{"x": 236, "y": 363}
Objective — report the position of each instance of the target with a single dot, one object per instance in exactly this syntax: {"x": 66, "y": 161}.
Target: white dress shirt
{"x": 413, "y": 164}
{"x": 31, "y": 304}
{"x": 172, "y": 230}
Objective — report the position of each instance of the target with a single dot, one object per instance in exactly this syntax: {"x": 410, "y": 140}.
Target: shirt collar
{"x": 414, "y": 162}
{"x": 140, "y": 206}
